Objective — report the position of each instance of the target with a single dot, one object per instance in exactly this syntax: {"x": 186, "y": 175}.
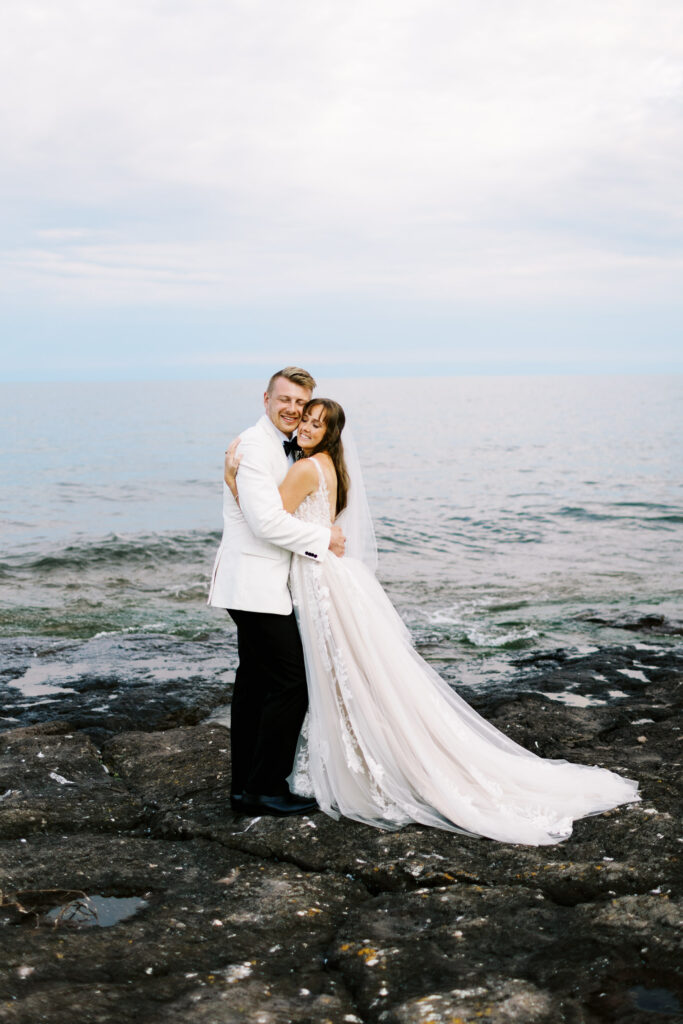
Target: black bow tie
{"x": 291, "y": 447}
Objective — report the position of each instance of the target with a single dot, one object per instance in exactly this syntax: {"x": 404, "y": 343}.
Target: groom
{"x": 250, "y": 579}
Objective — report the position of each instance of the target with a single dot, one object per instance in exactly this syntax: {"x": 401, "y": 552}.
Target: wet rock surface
{"x": 270, "y": 920}
{"x": 112, "y": 684}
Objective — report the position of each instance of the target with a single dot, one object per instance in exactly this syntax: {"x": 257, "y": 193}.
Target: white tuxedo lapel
{"x": 252, "y": 564}
{"x": 275, "y": 447}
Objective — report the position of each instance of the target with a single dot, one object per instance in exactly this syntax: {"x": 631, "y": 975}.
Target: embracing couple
{"x": 332, "y": 706}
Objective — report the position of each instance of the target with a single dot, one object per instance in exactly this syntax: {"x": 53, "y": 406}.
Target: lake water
{"x": 510, "y": 512}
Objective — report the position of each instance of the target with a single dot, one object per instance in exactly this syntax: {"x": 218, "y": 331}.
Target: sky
{"x": 214, "y": 188}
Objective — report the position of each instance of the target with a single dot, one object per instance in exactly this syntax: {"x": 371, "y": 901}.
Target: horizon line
{"x": 404, "y": 371}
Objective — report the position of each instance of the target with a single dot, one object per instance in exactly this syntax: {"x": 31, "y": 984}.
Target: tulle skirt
{"x": 387, "y": 742}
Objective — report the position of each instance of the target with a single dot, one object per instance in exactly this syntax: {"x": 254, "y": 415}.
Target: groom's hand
{"x": 337, "y": 541}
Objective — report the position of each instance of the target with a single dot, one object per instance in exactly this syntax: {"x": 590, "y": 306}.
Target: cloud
{"x": 168, "y": 151}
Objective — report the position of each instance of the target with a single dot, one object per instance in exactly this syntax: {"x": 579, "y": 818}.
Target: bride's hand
{"x": 232, "y": 461}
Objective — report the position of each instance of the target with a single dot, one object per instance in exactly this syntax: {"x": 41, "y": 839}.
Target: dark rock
{"x": 310, "y": 919}
{"x": 213, "y": 921}
{"x": 113, "y": 684}
{"x": 648, "y": 622}
{"x": 183, "y": 769}
{"x": 52, "y": 780}
{"x": 430, "y": 955}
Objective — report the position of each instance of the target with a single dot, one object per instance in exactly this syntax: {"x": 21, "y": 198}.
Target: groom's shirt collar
{"x": 278, "y": 433}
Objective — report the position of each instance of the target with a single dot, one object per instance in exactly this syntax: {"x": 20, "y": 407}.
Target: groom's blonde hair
{"x": 296, "y": 375}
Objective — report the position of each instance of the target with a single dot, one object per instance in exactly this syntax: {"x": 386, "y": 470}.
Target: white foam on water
{"x": 483, "y": 638}
{"x": 456, "y": 614}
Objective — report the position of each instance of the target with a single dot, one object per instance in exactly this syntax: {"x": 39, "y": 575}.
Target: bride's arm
{"x": 301, "y": 480}
{"x": 232, "y": 461}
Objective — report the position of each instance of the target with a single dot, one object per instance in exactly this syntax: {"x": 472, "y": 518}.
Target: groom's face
{"x": 284, "y": 404}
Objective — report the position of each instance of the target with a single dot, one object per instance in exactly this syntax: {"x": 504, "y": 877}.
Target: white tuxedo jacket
{"x": 252, "y": 564}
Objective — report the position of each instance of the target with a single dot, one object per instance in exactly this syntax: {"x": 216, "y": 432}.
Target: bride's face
{"x": 312, "y": 428}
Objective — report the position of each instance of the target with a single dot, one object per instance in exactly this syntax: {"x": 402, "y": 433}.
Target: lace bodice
{"x": 315, "y": 508}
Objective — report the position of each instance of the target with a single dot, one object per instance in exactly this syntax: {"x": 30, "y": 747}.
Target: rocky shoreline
{"x": 265, "y": 921}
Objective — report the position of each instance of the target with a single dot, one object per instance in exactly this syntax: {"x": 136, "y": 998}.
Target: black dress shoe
{"x": 279, "y": 806}
{"x": 237, "y": 803}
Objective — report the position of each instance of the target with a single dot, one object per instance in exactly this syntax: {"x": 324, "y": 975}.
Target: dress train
{"x": 387, "y": 742}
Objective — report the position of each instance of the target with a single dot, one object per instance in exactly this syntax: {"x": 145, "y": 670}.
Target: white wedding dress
{"x": 386, "y": 740}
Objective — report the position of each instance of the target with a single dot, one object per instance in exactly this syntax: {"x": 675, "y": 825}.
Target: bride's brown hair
{"x": 332, "y": 444}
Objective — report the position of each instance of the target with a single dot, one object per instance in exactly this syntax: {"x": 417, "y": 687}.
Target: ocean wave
{"x": 74, "y": 621}
{"x": 480, "y": 633}
{"x": 148, "y": 627}
{"x": 511, "y": 640}
{"x": 647, "y": 515}
{"x": 190, "y": 593}
{"x": 458, "y": 613}
{"x": 115, "y": 550}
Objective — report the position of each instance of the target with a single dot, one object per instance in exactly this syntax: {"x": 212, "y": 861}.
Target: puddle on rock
{"x": 655, "y": 1000}
{"x": 39, "y": 681}
{"x": 575, "y": 700}
{"x": 95, "y": 911}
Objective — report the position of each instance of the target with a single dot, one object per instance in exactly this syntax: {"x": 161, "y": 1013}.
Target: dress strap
{"x": 321, "y": 475}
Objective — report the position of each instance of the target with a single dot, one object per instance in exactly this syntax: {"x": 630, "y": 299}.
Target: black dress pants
{"x": 269, "y": 702}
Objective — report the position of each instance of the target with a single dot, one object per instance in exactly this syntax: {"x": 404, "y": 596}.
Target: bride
{"x": 387, "y": 742}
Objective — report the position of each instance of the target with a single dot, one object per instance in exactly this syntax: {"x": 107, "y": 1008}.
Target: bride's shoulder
{"x": 324, "y": 462}
{"x": 304, "y": 469}
{"x": 324, "y": 459}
